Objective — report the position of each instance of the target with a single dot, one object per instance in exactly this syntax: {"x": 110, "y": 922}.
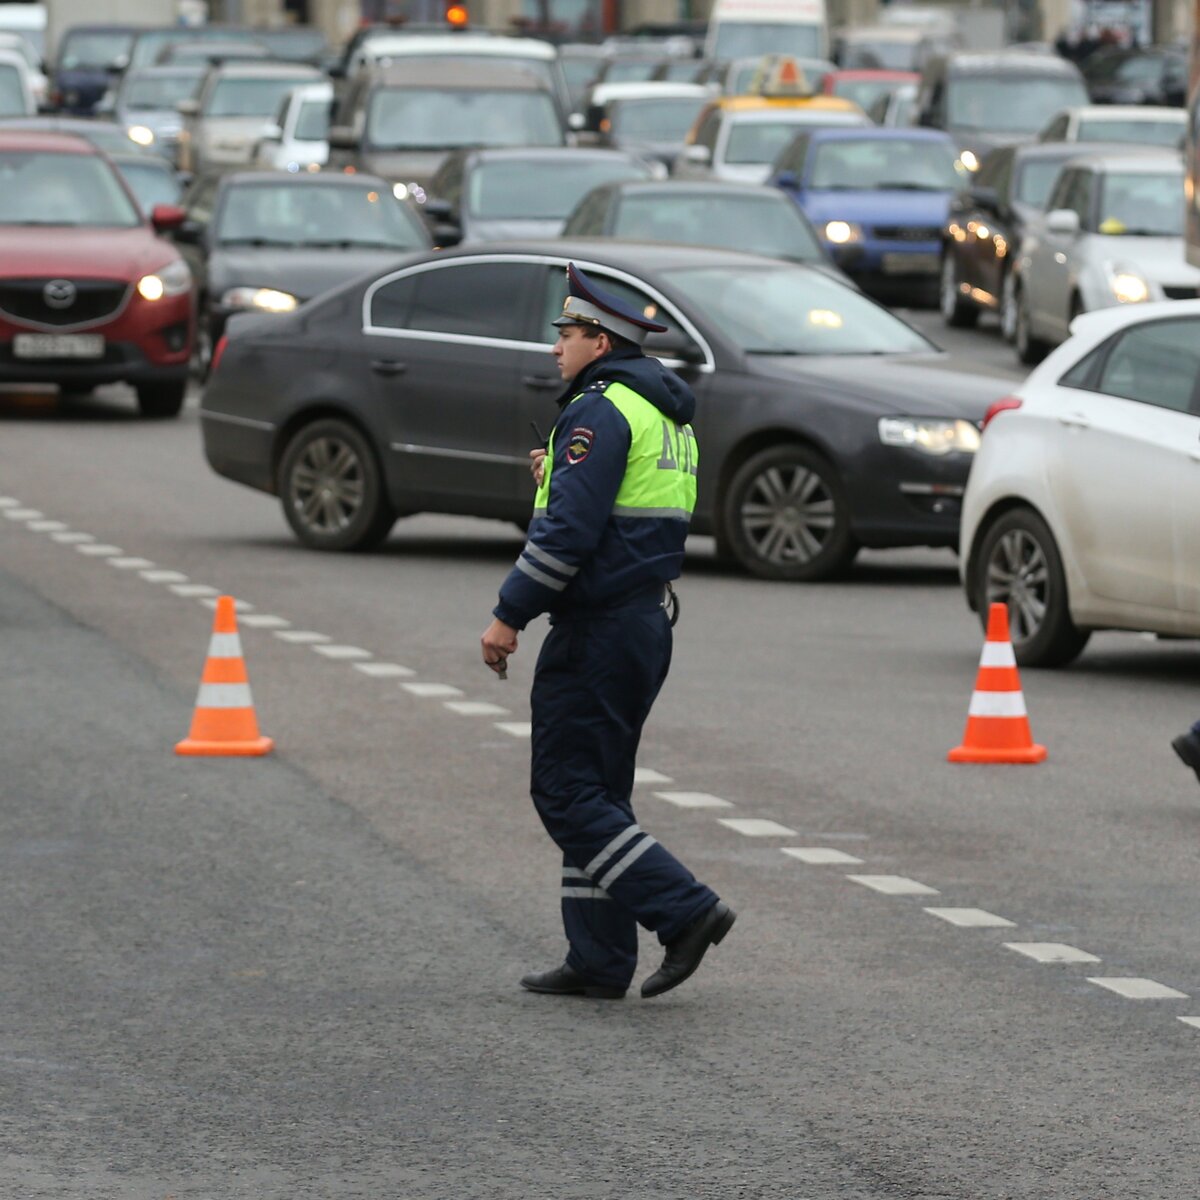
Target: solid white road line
{"x": 192, "y": 591}
{"x": 129, "y": 564}
{"x": 475, "y": 708}
{"x": 1051, "y": 952}
{"x": 23, "y": 514}
{"x": 518, "y": 729}
{"x": 342, "y": 652}
{"x": 71, "y": 537}
{"x": 693, "y": 800}
{"x": 427, "y": 690}
{"x": 815, "y": 855}
{"x": 301, "y": 637}
{"x": 894, "y": 885}
{"x": 160, "y": 576}
{"x": 756, "y": 827}
{"x": 384, "y": 670}
{"x": 971, "y": 918}
{"x": 265, "y": 621}
{"x": 46, "y": 526}
{"x": 1139, "y": 989}
{"x": 646, "y": 775}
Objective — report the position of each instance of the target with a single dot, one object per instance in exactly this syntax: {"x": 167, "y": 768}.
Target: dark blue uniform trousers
{"x": 597, "y": 676}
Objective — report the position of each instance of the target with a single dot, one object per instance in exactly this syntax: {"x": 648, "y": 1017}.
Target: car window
{"x": 707, "y": 134}
{"x": 588, "y": 218}
{"x": 1157, "y": 363}
{"x": 555, "y": 293}
{"x": 1036, "y": 179}
{"x": 989, "y": 169}
{"x": 312, "y": 121}
{"x": 1146, "y": 133}
{"x": 1063, "y": 189}
{"x": 792, "y": 158}
{"x": 1004, "y": 177}
{"x": 1079, "y": 199}
{"x": 475, "y": 299}
{"x": 1056, "y": 131}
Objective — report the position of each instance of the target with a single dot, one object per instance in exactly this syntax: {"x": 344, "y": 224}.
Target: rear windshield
{"x": 655, "y": 120}
{"x": 82, "y": 49}
{"x": 249, "y": 97}
{"x": 541, "y": 190}
{"x": 151, "y": 93}
{"x": 62, "y": 189}
{"x": 445, "y": 119}
{"x": 1016, "y": 103}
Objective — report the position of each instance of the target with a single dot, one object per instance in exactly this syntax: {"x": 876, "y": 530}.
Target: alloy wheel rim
{"x": 327, "y": 485}
{"x": 1018, "y": 575}
{"x": 788, "y": 514}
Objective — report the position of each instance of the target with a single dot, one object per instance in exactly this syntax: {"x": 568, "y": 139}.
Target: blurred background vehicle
{"x": 146, "y": 104}
{"x": 890, "y": 47}
{"x": 232, "y": 108}
{"x": 740, "y": 28}
{"x": 879, "y": 198}
{"x": 28, "y": 21}
{"x": 87, "y": 59}
{"x": 499, "y": 194}
{"x": 650, "y": 119}
{"x": 739, "y": 76}
{"x": 298, "y": 138}
{"x": 16, "y": 90}
{"x": 267, "y": 242}
{"x": 151, "y": 179}
{"x": 1112, "y": 234}
{"x": 896, "y": 109}
{"x": 1140, "y": 125}
{"x": 104, "y": 135}
{"x": 580, "y": 62}
{"x": 859, "y": 433}
{"x": 89, "y": 291}
{"x": 727, "y": 216}
{"x": 865, "y": 87}
{"x": 1137, "y": 75}
{"x": 149, "y": 43}
{"x": 209, "y": 53}
{"x": 39, "y": 84}
{"x": 1080, "y": 511}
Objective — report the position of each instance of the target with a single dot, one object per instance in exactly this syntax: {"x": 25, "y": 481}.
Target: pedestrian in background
{"x": 616, "y": 490}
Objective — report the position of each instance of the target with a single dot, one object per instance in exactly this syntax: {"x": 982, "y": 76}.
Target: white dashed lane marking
{"x": 646, "y": 775}
{"x": 519, "y": 729}
{"x": 23, "y": 514}
{"x": 894, "y": 885}
{"x": 1139, "y": 989}
{"x": 756, "y": 827}
{"x": 1051, "y": 952}
{"x": 816, "y": 855}
{"x": 192, "y": 591}
{"x": 240, "y": 606}
{"x": 9, "y": 502}
{"x": 431, "y": 690}
{"x": 475, "y": 708}
{"x": 265, "y": 621}
{"x": 971, "y": 918}
{"x": 384, "y": 670}
{"x": 161, "y": 576}
{"x": 1195, "y": 1021}
{"x": 342, "y": 652}
{"x": 71, "y": 537}
{"x": 130, "y": 564}
{"x": 302, "y": 637}
{"x": 693, "y": 800}
{"x": 46, "y": 526}
{"x": 99, "y": 549}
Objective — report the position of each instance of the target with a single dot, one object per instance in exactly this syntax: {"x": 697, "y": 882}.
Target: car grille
{"x": 93, "y": 300}
{"x": 908, "y": 233}
{"x": 1181, "y": 293}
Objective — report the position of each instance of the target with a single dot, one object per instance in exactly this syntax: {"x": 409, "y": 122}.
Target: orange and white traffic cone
{"x": 224, "y": 722}
{"x": 997, "y": 724}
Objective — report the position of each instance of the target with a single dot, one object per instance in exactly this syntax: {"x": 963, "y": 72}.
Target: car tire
{"x": 957, "y": 312}
{"x": 786, "y": 516}
{"x": 331, "y": 487}
{"x": 1008, "y": 307}
{"x": 1030, "y": 349}
{"x": 157, "y": 400}
{"x": 1019, "y": 565}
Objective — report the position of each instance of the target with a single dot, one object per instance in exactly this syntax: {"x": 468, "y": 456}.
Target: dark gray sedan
{"x": 825, "y": 423}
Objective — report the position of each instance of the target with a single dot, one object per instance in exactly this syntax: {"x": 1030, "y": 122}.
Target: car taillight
{"x": 218, "y": 350}
{"x": 1002, "y": 405}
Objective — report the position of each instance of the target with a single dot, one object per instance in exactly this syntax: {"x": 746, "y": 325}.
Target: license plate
{"x": 58, "y": 345}
{"x": 911, "y": 264}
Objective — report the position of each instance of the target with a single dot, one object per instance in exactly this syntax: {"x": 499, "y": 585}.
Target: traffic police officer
{"x": 616, "y": 490}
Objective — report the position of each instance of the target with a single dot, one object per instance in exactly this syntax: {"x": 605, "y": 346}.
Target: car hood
{"x": 919, "y": 385}
{"x": 29, "y": 251}
{"x": 1158, "y": 259}
{"x": 232, "y": 129}
{"x": 404, "y": 166}
{"x": 514, "y": 230}
{"x": 878, "y": 207}
{"x": 303, "y": 271}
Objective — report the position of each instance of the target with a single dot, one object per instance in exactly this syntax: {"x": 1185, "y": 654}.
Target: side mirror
{"x": 701, "y": 155}
{"x": 1063, "y": 221}
{"x": 188, "y": 232}
{"x": 165, "y": 217}
{"x": 673, "y": 344}
{"x": 188, "y": 108}
{"x": 341, "y": 137}
{"x": 788, "y": 181}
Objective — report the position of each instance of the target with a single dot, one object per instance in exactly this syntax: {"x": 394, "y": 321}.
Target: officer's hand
{"x": 498, "y": 642}
{"x": 537, "y": 467}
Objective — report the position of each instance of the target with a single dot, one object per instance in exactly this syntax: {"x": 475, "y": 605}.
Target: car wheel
{"x": 1008, "y": 307}
{"x": 161, "y": 399}
{"x": 1030, "y": 349}
{"x": 332, "y": 488}
{"x": 1019, "y": 565}
{"x": 786, "y": 516}
{"x": 957, "y": 311}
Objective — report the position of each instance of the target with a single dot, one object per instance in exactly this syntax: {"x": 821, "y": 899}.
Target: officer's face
{"x": 574, "y": 351}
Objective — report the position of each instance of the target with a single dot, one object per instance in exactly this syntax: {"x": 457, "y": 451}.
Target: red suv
{"x": 89, "y": 293}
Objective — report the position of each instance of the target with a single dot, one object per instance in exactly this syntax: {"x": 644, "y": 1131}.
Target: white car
{"x": 1138, "y": 124}
{"x": 16, "y": 94}
{"x": 1082, "y": 509}
{"x": 38, "y": 82}
{"x": 298, "y": 138}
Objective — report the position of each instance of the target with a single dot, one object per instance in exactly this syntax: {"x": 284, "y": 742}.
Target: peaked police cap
{"x": 587, "y": 304}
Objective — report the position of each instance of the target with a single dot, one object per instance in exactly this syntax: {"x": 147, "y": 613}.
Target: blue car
{"x": 879, "y": 199}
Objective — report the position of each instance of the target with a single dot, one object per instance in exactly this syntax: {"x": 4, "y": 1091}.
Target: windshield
{"x": 1147, "y": 133}
{"x": 293, "y": 45}
{"x": 1136, "y": 203}
{"x": 62, "y": 189}
{"x": 864, "y": 92}
{"x": 655, "y": 120}
{"x": 233, "y": 97}
{"x": 148, "y": 93}
{"x": 881, "y": 56}
{"x": 754, "y": 224}
{"x": 312, "y": 121}
{"x": 631, "y": 70}
{"x": 83, "y": 49}
{"x": 1016, "y": 103}
{"x": 762, "y": 141}
{"x": 1036, "y": 180}
{"x": 882, "y": 164}
{"x": 12, "y": 92}
{"x": 741, "y": 39}
{"x": 151, "y": 183}
{"x": 148, "y": 45}
{"x": 537, "y": 191}
{"x": 315, "y": 214}
{"x": 112, "y": 139}
{"x": 445, "y": 118}
{"x": 793, "y": 310}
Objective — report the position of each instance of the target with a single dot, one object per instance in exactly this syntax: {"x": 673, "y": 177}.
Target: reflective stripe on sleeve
{"x": 997, "y": 704}
{"x": 624, "y": 510}
{"x": 631, "y": 832}
{"x": 627, "y": 861}
{"x": 527, "y": 568}
{"x": 573, "y": 873}
{"x": 555, "y": 564}
{"x": 224, "y": 695}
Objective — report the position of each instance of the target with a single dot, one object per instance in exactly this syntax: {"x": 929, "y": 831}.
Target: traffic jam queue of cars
{"x": 310, "y": 233}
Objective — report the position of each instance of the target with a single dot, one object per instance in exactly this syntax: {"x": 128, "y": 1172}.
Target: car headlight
{"x": 142, "y": 135}
{"x": 842, "y": 233}
{"x": 172, "y": 280}
{"x": 410, "y": 191}
{"x": 969, "y": 159}
{"x": 929, "y": 435}
{"x": 1128, "y": 286}
{"x": 267, "y": 299}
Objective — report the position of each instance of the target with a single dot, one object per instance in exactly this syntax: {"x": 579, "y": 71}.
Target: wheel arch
{"x": 754, "y": 443}
{"x": 991, "y": 515}
{"x": 316, "y": 410}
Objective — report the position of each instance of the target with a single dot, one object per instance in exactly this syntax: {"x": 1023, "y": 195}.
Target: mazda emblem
{"x": 59, "y": 293}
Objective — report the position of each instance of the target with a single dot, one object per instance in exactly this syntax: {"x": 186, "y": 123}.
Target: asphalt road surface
{"x": 297, "y": 976}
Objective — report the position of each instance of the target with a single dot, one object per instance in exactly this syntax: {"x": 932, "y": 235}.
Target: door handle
{"x": 1075, "y": 421}
{"x": 542, "y": 383}
{"x": 388, "y": 366}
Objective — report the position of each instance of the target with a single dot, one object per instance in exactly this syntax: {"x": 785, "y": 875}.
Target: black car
{"x": 267, "y": 241}
{"x": 89, "y": 57}
{"x": 824, "y": 422}
{"x": 1142, "y": 75}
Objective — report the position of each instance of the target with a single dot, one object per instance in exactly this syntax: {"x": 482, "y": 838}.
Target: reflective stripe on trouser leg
{"x": 604, "y": 930}
{"x": 595, "y": 683}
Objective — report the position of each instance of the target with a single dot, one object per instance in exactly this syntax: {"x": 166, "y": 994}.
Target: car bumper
{"x": 886, "y": 265}
{"x": 239, "y": 449}
{"x": 123, "y": 362}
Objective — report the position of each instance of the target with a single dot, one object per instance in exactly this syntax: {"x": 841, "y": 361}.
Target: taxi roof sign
{"x": 780, "y": 75}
